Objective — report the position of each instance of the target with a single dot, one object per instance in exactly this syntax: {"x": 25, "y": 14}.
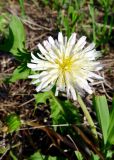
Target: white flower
{"x": 65, "y": 63}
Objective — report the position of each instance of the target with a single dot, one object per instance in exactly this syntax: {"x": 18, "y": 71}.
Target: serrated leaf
{"x": 39, "y": 156}
{"x": 13, "y": 122}
{"x": 102, "y": 112}
{"x": 56, "y": 108}
{"x": 111, "y": 126}
{"x": 36, "y": 156}
{"x": 21, "y": 72}
{"x": 70, "y": 109}
{"x": 60, "y": 110}
{"x": 95, "y": 157}
{"x": 41, "y": 97}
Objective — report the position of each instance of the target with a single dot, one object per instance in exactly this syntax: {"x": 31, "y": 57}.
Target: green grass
{"x": 91, "y": 18}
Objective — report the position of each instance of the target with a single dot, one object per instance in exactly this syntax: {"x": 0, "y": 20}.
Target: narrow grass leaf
{"x": 111, "y": 126}
{"x": 78, "y": 155}
{"x": 21, "y": 2}
{"x": 102, "y": 112}
{"x": 13, "y": 156}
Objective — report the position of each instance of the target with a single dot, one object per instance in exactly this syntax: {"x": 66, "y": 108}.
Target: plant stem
{"x": 87, "y": 115}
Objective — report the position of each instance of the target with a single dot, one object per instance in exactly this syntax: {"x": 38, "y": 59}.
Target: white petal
{"x": 51, "y": 41}
{"x": 57, "y": 91}
{"x": 73, "y": 93}
{"x": 96, "y": 76}
{"x": 65, "y": 41}
{"x": 42, "y": 49}
{"x": 49, "y": 87}
{"x": 70, "y": 44}
{"x": 84, "y": 84}
{"x": 34, "y": 76}
{"x": 38, "y": 75}
{"x": 80, "y": 44}
{"x": 72, "y": 39}
{"x": 47, "y": 45}
{"x": 31, "y": 65}
{"x": 89, "y": 48}
{"x": 36, "y": 81}
{"x": 34, "y": 57}
{"x": 39, "y": 55}
{"x": 45, "y": 83}
{"x": 60, "y": 38}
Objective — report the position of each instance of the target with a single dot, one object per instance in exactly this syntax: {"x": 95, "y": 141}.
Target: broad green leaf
{"x": 21, "y": 72}
{"x": 102, "y": 112}
{"x": 15, "y": 42}
{"x": 111, "y": 126}
{"x": 13, "y": 122}
{"x": 18, "y": 34}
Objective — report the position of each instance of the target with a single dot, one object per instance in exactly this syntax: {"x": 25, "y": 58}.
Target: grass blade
{"x": 102, "y": 112}
{"x": 111, "y": 126}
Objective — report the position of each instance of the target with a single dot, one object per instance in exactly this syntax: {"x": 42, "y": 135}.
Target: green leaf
{"x": 109, "y": 154}
{"x": 102, "y": 112}
{"x": 78, "y": 155}
{"x": 94, "y": 157}
{"x": 18, "y": 33}
{"x": 21, "y": 72}
{"x": 13, "y": 156}
{"x": 13, "y": 122}
{"x": 56, "y": 108}
{"x": 60, "y": 110}
{"x": 21, "y": 2}
{"x": 111, "y": 126}
{"x": 15, "y": 43}
{"x": 3, "y": 23}
{"x": 42, "y": 97}
{"x": 36, "y": 156}
{"x": 39, "y": 156}
{"x": 4, "y": 149}
{"x": 70, "y": 109}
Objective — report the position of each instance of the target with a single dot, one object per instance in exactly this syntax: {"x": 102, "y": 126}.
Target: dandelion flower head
{"x": 68, "y": 64}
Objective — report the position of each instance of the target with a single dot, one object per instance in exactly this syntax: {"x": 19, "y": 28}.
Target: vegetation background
{"x": 28, "y": 120}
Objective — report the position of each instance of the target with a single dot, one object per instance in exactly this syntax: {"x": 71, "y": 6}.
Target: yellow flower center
{"x": 65, "y": 65}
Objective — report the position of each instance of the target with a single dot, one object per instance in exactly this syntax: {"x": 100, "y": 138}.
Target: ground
{"x": 18, "y": 97}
